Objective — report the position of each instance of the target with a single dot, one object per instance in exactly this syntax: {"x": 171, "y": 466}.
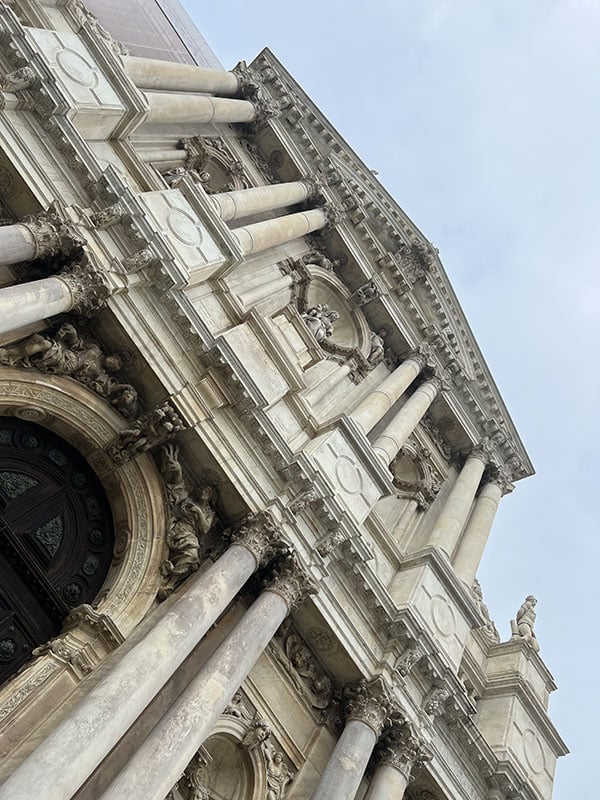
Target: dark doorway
{"x": 56, "y": 537}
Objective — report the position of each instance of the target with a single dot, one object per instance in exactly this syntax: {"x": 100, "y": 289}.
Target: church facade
{"x": 250, "y": 453}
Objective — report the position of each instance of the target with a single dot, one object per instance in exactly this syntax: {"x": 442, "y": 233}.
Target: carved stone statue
{"x": 69, "y": 353}
{"x": 488, "y": 627}
{"x": 522, "y": 627}
{"x": 278, "y": 775}
{"x": 376, "y": 352}
{"x": 319, "y": 320}
{"x": 191, "y": 520}
{"x": 436, "y": 703}
{"x": 303, "y": 662}
{"x": 365, "y": 293}
{"x": 148, "y": 431}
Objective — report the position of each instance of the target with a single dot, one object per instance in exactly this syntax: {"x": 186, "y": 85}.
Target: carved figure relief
{"x": 304, "y": 670}
{"x": 150, "y": 430}
{"x": 365, "y": 293}
{"x": 191, "y": 519}
{"x": 278, "y": 775}
{"x": 80, "y": 357}
{"x": 522, "y": 626}
{"x": 174, "y": 176}
{"x": 377, "y": 351}
{"x": 319, "y": 320}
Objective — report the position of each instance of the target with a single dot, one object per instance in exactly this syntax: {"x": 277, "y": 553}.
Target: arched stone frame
{"x": 135, "y": 493}
{"x": 413, "y": 475}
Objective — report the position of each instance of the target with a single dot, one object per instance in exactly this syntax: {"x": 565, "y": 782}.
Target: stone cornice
{"x": 323, "y": 148}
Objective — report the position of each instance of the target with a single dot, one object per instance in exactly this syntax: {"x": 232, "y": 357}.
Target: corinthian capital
{"x": 88, "y": 290}
{"x": 52, "y": 234}
{"x": 334, "y": 214}
{"x": 291, "y": 582}
{"x": 483, "y": 450}
{"x": 259, "y": 534}
{"x": 403, "y": 749}
{"x": 423, "y": 354}
{"x": 368, "y": 702}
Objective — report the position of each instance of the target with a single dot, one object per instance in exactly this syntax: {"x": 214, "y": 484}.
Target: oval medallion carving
{"x": 77, "y": 68}
{"x": 443, "y": 616}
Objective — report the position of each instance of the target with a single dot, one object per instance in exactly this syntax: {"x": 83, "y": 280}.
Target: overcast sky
{"x": 481, "y": 117}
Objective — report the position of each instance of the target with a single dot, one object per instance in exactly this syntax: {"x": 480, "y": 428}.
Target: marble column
{"x": 474, "y": 539}
{"x": 197, "y": 109}
{"x": 449, "y": 525}
{"x": 39, "y": 236}
{"x": 367, "y": 708}
{"x": 395, "y": 435}
{"x": 378, "y": 402}
{"x": 152, "y": 73}
{"x": 245, "y": 202}
{"x": 63, "y": 762}
{"x": 164, "y": 754}
{"x": 80, "y": 289}
{"x": 397, "y": 754}
{"x": 262, "y": 235}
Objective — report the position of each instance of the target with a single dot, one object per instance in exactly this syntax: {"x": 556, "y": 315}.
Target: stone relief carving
{"x": 140, "y": 259}
{"x": 174, "y": 176}
{"x": 69, "y": 353}
{"x": 319, "y": 259}
{"x": 436, "y": 436}
{"x": 70, "y": 655}
{"x": 409, "y": 658}
{"x": 522, "y": 626}
{"x": 319, "y": 320}
{"x": 278, "y": 775}
{"x": 148, "y": 431}
{"x": 365, "y": 293}
{"x": 304, "y": 670}
{"x": 18, "y": 80}
{"x": 377, "y": 347}
{"x": 328, "y": 543}
{"x": 426, "y": 488}
{"x": 291, "y": 581}
{"x": 191, "y": 520}
{"x": 489, "y": 628}
{"x": 107, "y": 217}
{"x": 302, "y": 501}
{"x": 258, "y": 732}
{"x": 435, "y": 704}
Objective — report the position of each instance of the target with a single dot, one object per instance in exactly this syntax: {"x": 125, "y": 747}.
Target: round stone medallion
{"x": 534, "y": 752}
{"x": 77, "y": 68}
{"x": 348, "y": 475}
{"x": 442, "y": 616}
{"x": 322, "y": 640}
{"x": 184, "y": 227}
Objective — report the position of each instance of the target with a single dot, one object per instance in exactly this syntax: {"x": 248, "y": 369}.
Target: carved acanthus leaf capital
{"x": 259, "y": 534}
{"x": 52, "y": 234}
{"x": 369, "y": 702}
{"x": 423, "y": 354}
{"x": 442, "y": 380}
{"x": 483, "y": 450}
{"x": 403, "y": 749}
{"x": 334, "y": 214}
{"x": 87, "y": 288}
{"x": 291, "y": 582}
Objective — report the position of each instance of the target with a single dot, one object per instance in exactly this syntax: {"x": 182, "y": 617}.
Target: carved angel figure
{"x": 257, "y": 733}
{"x": 377, "y": 347}
{"x": 319, "y": 320}
{"x": 191, "y": 520}
{"x": 522, "y": 627}
{"x": 278, "y": 775}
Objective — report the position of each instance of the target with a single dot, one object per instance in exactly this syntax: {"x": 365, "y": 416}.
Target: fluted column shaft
{"x": 245, "y": 202}
{"x": 395, "y": 435}
{"x": 378, "y": 402}
{"x": 30, "y": 302}
{"x": 182, "y": 108}
{"x": 63, "y": 762}
{"x": 152, "y": 73}
{"x": 451, "y": 521}
{"x": 262, "y": 235}
{"x": 167, "y": 750}
{"x": 474, "y": 539}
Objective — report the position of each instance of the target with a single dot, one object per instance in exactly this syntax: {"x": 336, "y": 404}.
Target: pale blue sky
{"x": 482, "y": 119}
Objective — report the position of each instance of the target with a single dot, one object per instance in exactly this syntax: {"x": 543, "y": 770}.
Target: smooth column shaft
{"x": 180, "y": 108}
{"x": 262, "y": 235}
{"x": 388, "y": 783}
{"x": 163, "y": 156}
{"x": 345, "y": 769}
{"x": 376, "y": 405}
{"x": 245, "y": 202}
{"x": 16, "y": 244}
{"x": 474, "y": 539}
{"x": 151, "y": 73}
{"x": 74, "y": 749}
{"x": 395, "y": 435}
{"x": 451, "y": 521}
{"x": 167, "y": 750}
{"x": 31, "y": 302}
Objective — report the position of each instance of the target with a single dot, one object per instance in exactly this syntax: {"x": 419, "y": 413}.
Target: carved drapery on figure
{"x": 67, "y": 352}
{"x": 150, "y": 430}
{"x": 191, "y": 520}
{"x": 522, "y": 626}
{"x": 319, "y": 320}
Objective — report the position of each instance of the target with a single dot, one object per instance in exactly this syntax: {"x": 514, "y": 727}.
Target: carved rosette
{"x": 259, "y": 534}
{"x": 368, "y": 702}
{"x": 291, "y": 582}
{"x": 51, "y": 234}
{"x": 402, "y": 749}
{"x": 87, "y": 288}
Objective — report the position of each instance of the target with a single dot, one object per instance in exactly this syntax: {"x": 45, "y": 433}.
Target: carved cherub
{"x": 319, "y": 320}
{"x": 191, "y": 520}
{"x": 257, "y": 733}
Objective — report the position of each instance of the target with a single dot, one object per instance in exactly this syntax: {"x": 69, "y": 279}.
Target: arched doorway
{"x": 56, "y": 537}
